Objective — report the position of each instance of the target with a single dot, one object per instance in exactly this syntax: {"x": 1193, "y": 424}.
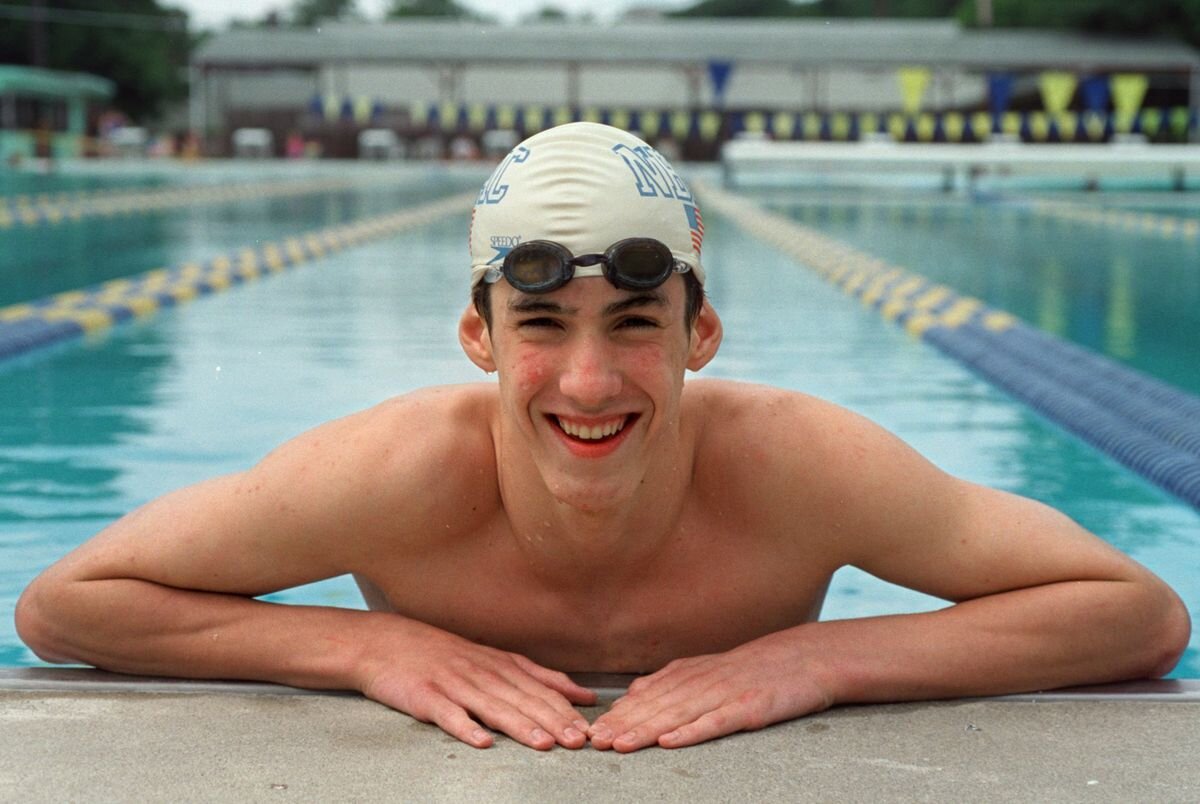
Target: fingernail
{"x": 670, "y": 737}
{"x": 538, "y": 735}
{"x": 572, "y": 733}
{"x": 582, "y": 725}
{"x": 479, "y": 735}
{"x": 627, "y": 737}
{"x": 602, "y": 733}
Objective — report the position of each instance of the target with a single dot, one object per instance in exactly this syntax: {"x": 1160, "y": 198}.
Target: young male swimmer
{"x": 592, "y": 512}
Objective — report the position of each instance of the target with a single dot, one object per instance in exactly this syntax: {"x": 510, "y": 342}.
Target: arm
{"x": 168, "y": 590}
{"x": 1039, "y": 603}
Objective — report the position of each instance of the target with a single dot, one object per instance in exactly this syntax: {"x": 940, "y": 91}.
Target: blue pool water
{"x": 1130, "y": 294}
{"x": 92, "y": 428}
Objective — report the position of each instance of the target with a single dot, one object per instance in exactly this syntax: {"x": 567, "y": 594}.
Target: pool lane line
{"x": 48, "y": 210}
{"x": 28, "y": 326}
{"x": 1149, "y": 426}
{"x": 1167, "y": 226}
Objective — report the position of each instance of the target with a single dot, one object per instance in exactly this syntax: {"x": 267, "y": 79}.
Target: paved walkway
{"x": 66, "y": 741}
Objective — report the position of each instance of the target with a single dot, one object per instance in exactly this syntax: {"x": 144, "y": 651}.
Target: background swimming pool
{"x": 92, "y": 428}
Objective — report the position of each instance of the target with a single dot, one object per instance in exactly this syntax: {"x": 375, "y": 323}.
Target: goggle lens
{"x": 540, "y": 266}
{"x": 535, "y": 265}
{"x": 641, "y": 263}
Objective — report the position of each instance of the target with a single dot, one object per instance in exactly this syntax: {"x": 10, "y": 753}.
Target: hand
{"x": 701, "y": 698}
{"x": 438, "y": 677}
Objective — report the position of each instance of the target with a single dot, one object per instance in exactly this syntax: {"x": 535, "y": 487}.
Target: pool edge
{"x": 606, "y": 685}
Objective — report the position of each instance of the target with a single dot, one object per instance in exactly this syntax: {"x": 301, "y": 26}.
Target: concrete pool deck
{"x": 81, "y": 735}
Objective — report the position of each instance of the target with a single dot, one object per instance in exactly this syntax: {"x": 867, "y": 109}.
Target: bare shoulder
{"x": 770, "y": 423}
{"x": 421, "y": 447}
{"x": 788, "y": 457}
{"x": 432, "y": 424}
{"x": 383, "y": 481}
{"x": 325, "y": 503}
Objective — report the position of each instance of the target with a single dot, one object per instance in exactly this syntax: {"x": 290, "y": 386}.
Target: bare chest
{"x": 695, "y": 602}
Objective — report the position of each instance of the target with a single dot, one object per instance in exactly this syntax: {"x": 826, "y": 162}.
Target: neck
{"x": 589, "y": 534}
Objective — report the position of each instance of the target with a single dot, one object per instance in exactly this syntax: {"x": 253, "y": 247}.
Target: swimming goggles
{"x": 540, "y": 266}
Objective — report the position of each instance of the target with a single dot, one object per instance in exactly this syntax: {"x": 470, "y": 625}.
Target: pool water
{"x": 1132, "y": 295}
{"x": 92, "y": 428}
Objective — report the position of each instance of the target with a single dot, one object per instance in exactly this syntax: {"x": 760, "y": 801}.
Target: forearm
{"x": 140, "y": 627}
{"x": 1038, "y": 638}
{"x": 136, "y": 626}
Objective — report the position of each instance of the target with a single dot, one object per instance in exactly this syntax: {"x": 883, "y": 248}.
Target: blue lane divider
{"x": 1168, "y": 462}
{"x": 24, "y": 327}
{"x": 1148, "y": 425}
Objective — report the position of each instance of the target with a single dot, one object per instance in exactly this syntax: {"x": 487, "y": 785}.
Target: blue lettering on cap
{"x": 503, "y": 244}
{"x": 493, "y": 191}
{"x": 653, "y": 175}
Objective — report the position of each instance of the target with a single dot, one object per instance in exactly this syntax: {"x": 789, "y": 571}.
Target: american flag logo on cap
{"x": 695, "y": 225}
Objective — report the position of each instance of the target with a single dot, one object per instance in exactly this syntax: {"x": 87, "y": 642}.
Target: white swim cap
{"x": 584, "y": 186}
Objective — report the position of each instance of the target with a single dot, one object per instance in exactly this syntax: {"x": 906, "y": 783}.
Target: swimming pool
{"x": 1122, "y": 281}
{"x": 93, "y": 427}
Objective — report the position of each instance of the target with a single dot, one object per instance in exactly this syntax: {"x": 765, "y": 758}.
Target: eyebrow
{"x": 527, "y": 304}
{"x": 652, "y": 298}
{"x": 534, "y": 304}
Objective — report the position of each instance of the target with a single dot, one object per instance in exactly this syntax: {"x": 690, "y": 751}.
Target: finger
{"x": 600, "y": 736}
{"x": 647, "y": 731}
{"x": 629, "y": 728}
{"x": 620, "y": 717}
{"x": 450, "y": 701}
{"x": 454, "y": 720}
{"x": 509, "y": 720}
{"x": 709, "y": 726}
{"x": 567, "y": 731}
{"x": 525, "y": 718}
{"x": 557, "y": 681}
{"x": 672, "y": 676}
{"x": 636, "y": 707}
{"x": 546, "y": 707}
{"x": 641, "y": 722}
{"x": 676, "y": 728}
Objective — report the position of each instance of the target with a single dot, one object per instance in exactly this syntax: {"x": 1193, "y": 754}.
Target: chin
{"x": 591, "y": 495}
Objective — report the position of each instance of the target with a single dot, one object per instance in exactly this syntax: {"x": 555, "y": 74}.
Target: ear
{"x": 706, "y": 337}
{"x": 475, "y": 339}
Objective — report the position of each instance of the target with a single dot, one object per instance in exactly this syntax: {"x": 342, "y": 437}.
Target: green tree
{"x": 1178, "y": 19}
{"x": 400, "y": 9}
{"x": 306, "y": 13}
{"x": 140, "y": 45}
{"x": 741, "y": 8}
{"x": 548, "y": 14}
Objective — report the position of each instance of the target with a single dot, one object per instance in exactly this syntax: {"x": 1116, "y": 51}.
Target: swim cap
{"x": 584, "y": 186}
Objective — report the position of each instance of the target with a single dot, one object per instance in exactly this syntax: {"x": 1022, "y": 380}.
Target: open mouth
{"x": 594, "y": 433}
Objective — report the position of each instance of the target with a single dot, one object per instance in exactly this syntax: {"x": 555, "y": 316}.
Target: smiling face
{"x": 591, "y": 376}
{"x": 591, "y": 379}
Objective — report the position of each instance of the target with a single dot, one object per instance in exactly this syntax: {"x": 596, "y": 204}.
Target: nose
{"x": 591, "y": 376}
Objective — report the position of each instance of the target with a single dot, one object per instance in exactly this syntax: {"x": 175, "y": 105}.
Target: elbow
{"x": 36, "y": 622}
{"x": 1168, "y": 632}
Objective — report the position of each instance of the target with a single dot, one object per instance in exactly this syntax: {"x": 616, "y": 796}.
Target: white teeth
{"x": 591, "y": 433}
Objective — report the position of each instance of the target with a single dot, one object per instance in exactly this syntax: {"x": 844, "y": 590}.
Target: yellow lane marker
{"x": 899, "y": 295}
{"x": 1168, "y": 226}
{"x": 53, "y": 209}
{"x": 99, "y": 307}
